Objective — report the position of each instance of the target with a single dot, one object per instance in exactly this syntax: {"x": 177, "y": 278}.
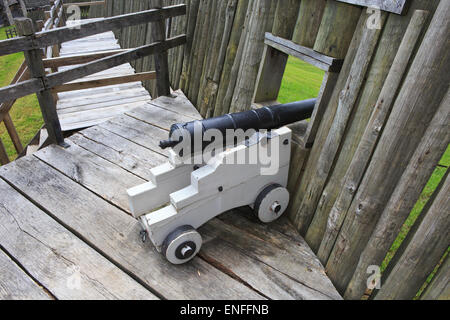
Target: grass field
{"x": 302, "y": 81}
{"x": 25, "y": 113}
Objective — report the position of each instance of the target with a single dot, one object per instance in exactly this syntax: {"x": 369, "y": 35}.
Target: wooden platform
{"x": 85, "y": 108}
{"x": 66, "y": 232}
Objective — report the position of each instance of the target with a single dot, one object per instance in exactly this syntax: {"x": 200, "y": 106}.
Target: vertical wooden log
{"x": 8, "y": 12}
{"x": 439, "y": 288}
{"x": 200, "y": 51}
{"x": 192, "y": 65}
{"x": 419, "y": 98}
{"x": 35, "y": 65}
{"x": 232, "y": 58}
{"x": 161, "y": 62}
{"x": 4, "y": 159}
{"x": 308, "y": 22}
{"x": 336, "y": 29}
{"x": 217, "y": 23}
{"x": 183, "y": 26}
{"x": 347, "y": 100}
{"x": 261, "y": 21}
{"x": 142, "y": 35}
{"x": 215, "y": 64}
{"x": 421, "y": 251}
{"x": 419, "y": 170}
{"x": 188, "y": 47}
{"x": 388, "y": 46}
{"x": 327, "y": 119}
{"x": 273, "y": 63}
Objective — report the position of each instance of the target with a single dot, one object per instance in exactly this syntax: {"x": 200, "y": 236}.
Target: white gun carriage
{"x": 191, "y": 189}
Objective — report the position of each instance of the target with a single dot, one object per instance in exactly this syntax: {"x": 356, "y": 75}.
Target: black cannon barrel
{"x": 264, "y": 118}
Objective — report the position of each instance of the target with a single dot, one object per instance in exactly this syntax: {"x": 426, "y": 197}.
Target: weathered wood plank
{"x": 55, "y": 36}
{"x": 120, "y": 151}
{"x": 232, "y": 57}
{"x": 47, "y": 104}
{"x": 158, "y": 117}
{"x": 336, "y": 29}
{"x": 116, "y": 235}
{"x": 15, "y": 284}
{"x": 56, "y": 258}
{"x": 421, "y": 251}
{"x": 220, "y": 251}
{"x": 89, "y": 115}
{"x": 395, "y": 6}
{"x": 109, "y": 97}
{"x": 383, "y": 60}
{"x": 161, "y": 61}
{"x": 137, "y": 131}
{"x": 12, "y": 132}
{"x": 405, "y": 196}
{"x": 109, "y": 62}
{"x": 383, "y": 82}
{"x": 103, "y": 82}
{"x": 273, "y": 63}
{"x": 310, "y": 56}
{"x": 439, "y": 288}
{"x": 99, "y": 105}
{"x": 410, "y": 116}
{"x": 308, "y": 22}
{"x": 74, "y": 59}
{"x": 96, "y": 174}
{"x": 177, "y": 103}
{"x": 4, "y": 159}
{"x": 327, "y": 119}
{"x": 261, "y": 242}
{"x": 347, "y": 101}
{"x": 261, "y": 20}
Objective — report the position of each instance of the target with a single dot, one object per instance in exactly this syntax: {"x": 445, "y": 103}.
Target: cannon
{"x": 249, "y": 169}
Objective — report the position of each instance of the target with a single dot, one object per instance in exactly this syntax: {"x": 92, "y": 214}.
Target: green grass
{"x": 25, "y": 113}
{"x": 302, "y": 81}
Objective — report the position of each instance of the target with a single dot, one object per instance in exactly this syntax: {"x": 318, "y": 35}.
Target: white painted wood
{"x": 217, "y": 186}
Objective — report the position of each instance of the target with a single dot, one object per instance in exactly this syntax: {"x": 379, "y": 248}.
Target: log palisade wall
{"x": 384, "y": 128}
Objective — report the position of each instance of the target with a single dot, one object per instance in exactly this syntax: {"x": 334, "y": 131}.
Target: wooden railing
{"x": 38, "y": 75}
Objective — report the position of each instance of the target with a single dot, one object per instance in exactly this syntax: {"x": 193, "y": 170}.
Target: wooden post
{"x": 23, "y": 8}
{"x": 261, "y": 21}
{"x": 273, "y": 63}
{"x": 347, "y": 101}
{"x": 421, "y": 251}
{"x": 308, "y": 23}
{"x": 4, "y": 159}
{"x": 161, "y": 61}
{"x": 232, "y": 58}
{"x": 336, "y": 29}
{"x": 45, "y": 97}
{"x": 329, "y": 112}
{"x": 405, "y": 196}
{"x": 412, "y": 112}
{"x": 8, "y": 12}
{"x": 351, "y": 165}
{"x": 13, "y": 133}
